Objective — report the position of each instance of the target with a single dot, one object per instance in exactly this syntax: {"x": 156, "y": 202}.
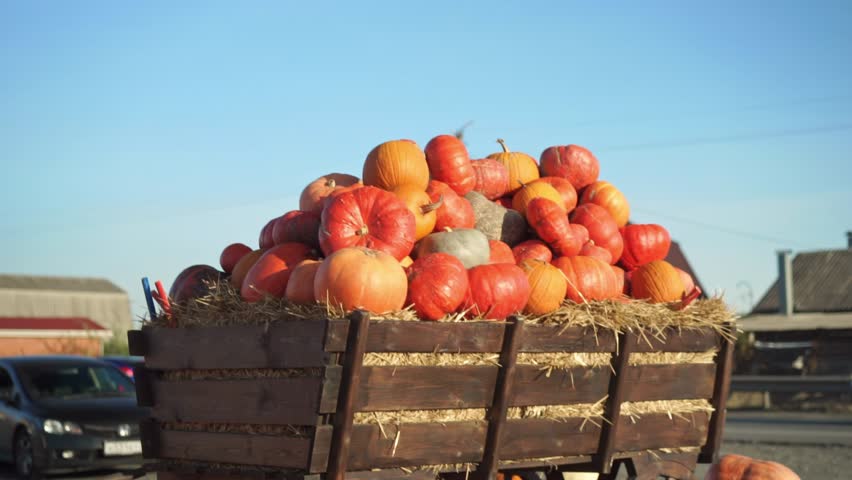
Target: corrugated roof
{"x": 822, "y": 282}
{"x": 677, "y": 258}
{"x": 64, "y": 284}
{"x": 48, "y": 323}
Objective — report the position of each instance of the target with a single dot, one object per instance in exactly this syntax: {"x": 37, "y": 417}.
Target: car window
{"x": 67, "y": 381}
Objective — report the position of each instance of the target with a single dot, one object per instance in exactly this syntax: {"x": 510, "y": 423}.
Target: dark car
{"x": 124, "y": 363}
{"x": 60, "y": 414}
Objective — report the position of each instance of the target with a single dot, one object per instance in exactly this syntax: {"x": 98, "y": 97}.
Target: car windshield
{"x": 62, "y": 381}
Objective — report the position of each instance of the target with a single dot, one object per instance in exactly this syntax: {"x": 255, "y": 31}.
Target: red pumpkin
{"x": 533, "y": 190}
{"x": 501, "y": 252}
{"x": 297, "y": 226}
{"x": 496, "y": 291}
{"x": 420, "y": 204}
{"x": 269, "y": 275}
{"x": 231, "y": 255}
{"x": 361, "y": 278}
{"x": 644, "y": 243}
{"x": 581, "y": 232}
{"x": 588, "y": 278}
{"x": 241, "y": 269}
{"x": 449, "y": 162}
{"x": 565, "y": 189}
{"x": 620, "y": 279}
{"x": 591, "y": 250}
{"x": 532, "y": 250}
{"x": 572, "y": 162}
{"x": 266, "y": 241}
{"x": 602, "y": 228}
{"x": 340, "y": 191}
{"x": 550, "y": 223}
{"x": 740, "y": 467}
{"x": 492, "y": 178}
{"x": 368, "y": 217}
{"x": 606, "y": 195}
{"x": 455, "y": 211}
{"x": 300, "y": 286}
{"x": 313, "y": 196}
{"x": 437, "y": 284}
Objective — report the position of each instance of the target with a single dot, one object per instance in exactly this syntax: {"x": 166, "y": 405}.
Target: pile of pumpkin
{"x": 432, "y": 229}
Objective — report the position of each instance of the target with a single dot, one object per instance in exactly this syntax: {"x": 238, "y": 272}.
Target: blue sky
{"x": 137, "y": 139}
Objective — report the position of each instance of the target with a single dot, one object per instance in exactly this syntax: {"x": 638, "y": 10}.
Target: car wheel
{"x": 25, "y": 466}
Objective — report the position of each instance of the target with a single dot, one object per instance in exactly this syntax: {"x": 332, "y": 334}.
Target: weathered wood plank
{"x": 422, "y": 337}
{"x": 273, "y": 451}
{"x": 668, "y": 382}
{"x": 557, "y": 338}
{"x": 472, "y": 386}
{"x": 541, "y": 438}
{"x": 292, "y": 344}
{"x": 353, "y": 358}
{"x": 487, "y": 469}
{"x": 721, "y": 389}
{"x": 280, "y": 401}
{"x": 612, "y": 410}
{"x": 659, "y": 431}
{"x": 675, "y": 340}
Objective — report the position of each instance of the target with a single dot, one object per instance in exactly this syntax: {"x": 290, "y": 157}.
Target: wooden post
{"x": 487, "y": 469}
{"x": 612, "y": 410}
{"x": 721, "y": 389}
{"x": 353, "y": 359}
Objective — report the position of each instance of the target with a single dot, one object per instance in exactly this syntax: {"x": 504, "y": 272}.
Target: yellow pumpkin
{"x": 396, "y": 163}
{"x": 607, "y": 196}
{"x": 533, "y": 190}
{"x": 422, "y": 206}
{"x": 522, "y": 168}
{"x": 548, "y": 287}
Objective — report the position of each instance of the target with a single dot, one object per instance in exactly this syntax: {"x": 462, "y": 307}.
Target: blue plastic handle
{"x": 146, "y": 287}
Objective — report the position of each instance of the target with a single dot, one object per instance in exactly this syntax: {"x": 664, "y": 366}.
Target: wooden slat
{"x": 612, "y": 411}
{"x": 136, "y": 344}
{"x": 487, "y": 469}
{"x": 422, "y": 337}
{"x": 533, "y": 386}
{"x": 721, "y": 389}
{"x": 557, "y": 338}
{"x": 353, "y": 358}
{"x": 541, "y": 438}
{"x": 472, "y": 386}
{"x": 144, "y": 381}
{"x": 657, "y": 430}
{"x": 674, "y": 340}
{"x": 669, "y": 382}
{"x": 280, "y": 401}
{"x": 246, "y": 449}
{"x": 292, "y": 344}
{"x": 468, "y": 337}
{"x": 419, "y": 444}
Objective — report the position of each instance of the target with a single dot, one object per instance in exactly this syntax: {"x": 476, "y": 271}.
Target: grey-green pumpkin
{"x": 496, "y": 221}
{"x": 468, "y": 245}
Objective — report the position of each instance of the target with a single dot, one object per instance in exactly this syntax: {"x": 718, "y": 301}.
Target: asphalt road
{"x": 816, "y": 446}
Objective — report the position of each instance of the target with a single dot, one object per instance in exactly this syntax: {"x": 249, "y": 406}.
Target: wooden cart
{"x": 335, "y": 448}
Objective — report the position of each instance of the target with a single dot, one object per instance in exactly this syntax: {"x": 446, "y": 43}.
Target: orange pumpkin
{"x": 657, "y": 282}
{"x": 536, "y": 189}
{"x": 313, "y": 195}
{"x": 547, "y": 287}
{"x": 238, "y": 274}
{"x": 564, "y": 187}
{"x": 522, "y": 168}
{"x": 606, "y": 195}
{"x": 271, "y": 273}
{"x": 361, "y": 278}
{"x": 740, "y": 467}
{"x": 424, "y": 210}
{"x": 300, "y": 287}
{"x": 396, "y": 163}
{"x": 588, "y": 279}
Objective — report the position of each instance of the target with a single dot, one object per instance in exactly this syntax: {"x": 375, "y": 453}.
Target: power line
{"x": 725, "y": 229}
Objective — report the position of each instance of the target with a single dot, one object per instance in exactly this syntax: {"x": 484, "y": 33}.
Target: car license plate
{"x": 125, "y": 447}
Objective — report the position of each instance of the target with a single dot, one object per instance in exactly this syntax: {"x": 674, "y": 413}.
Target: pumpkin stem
{"x": 330, "y": 183}
{"x": 503, "y": 144}
{"x": 687, "y": 299}
{"x": 431, "y": 207}
{"x": 460, "y": 132}
{"x": 448, "y": 229}
{"x": 363, "y": 230}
